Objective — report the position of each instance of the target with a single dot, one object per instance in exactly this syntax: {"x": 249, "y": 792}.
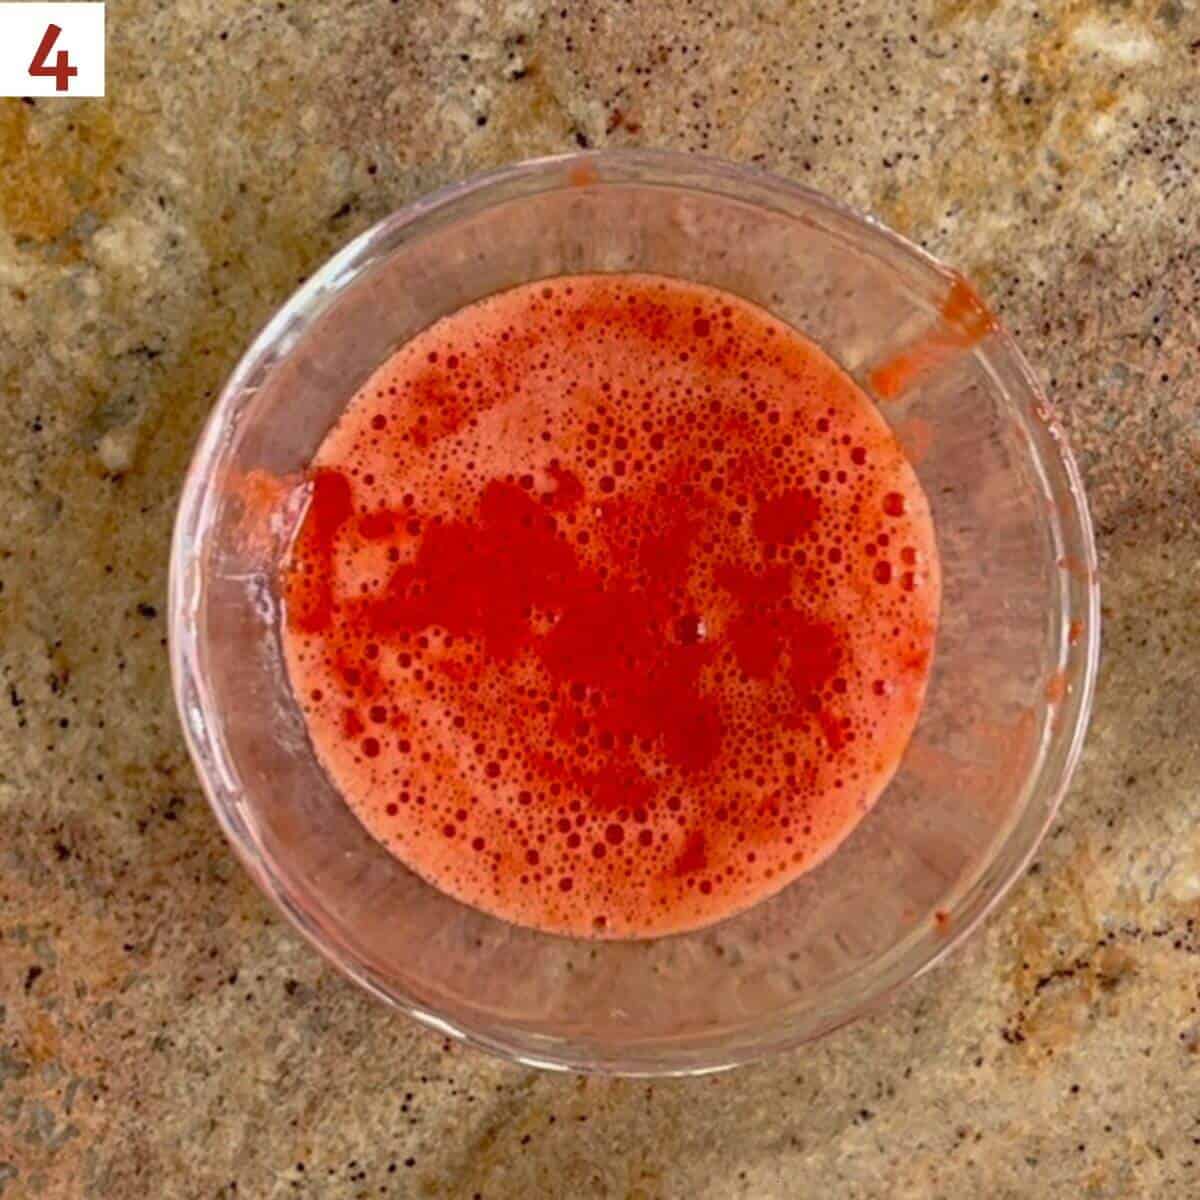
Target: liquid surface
{"x": 613, "y": 605}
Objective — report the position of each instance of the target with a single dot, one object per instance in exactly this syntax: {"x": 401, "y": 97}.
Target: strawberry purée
{"x": 613, "y": 605}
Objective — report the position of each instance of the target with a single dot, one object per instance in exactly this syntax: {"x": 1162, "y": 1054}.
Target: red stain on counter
{"x": 596, "y": 614}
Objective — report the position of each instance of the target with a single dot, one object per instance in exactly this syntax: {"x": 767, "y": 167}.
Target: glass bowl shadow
{"x": 1008, "y": 699}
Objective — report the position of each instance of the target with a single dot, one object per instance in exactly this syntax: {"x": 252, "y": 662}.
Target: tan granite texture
{"x": 162, "y": 1032}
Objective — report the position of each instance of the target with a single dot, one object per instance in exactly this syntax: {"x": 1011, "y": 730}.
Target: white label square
{"x": 51, "y": 50}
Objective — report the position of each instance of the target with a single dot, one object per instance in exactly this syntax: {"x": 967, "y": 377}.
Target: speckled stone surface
{"x": 162, "y": 1032}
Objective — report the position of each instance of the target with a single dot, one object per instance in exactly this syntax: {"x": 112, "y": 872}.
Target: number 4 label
{"x": 51, "y": 49}
{"x": 62, "y": 70}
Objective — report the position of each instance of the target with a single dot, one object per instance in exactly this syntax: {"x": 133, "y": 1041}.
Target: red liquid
{"x": 613, "y": 606}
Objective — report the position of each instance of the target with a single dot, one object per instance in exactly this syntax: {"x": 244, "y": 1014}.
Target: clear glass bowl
{"x": 1008, "y": 700}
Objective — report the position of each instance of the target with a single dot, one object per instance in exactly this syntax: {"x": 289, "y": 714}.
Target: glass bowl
{"x": 1008, "y": 699}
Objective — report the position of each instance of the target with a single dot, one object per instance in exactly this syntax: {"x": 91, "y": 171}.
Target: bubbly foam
{"x": 613, "y": 605}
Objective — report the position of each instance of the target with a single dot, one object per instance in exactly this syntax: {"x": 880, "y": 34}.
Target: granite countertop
{"x": 162, "y": 1032}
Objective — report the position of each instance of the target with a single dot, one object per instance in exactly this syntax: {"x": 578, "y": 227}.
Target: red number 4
{"x": 62, "y": 70}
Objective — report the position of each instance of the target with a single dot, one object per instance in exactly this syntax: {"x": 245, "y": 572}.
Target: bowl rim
{"x": 272, "y": 344}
